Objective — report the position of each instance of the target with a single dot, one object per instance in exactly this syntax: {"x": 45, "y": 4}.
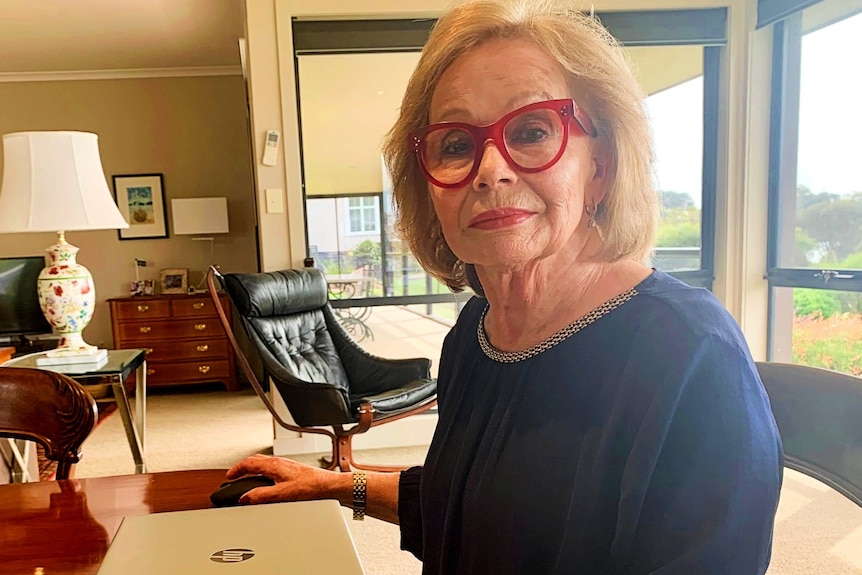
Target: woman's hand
{"x": 293, "y": 481}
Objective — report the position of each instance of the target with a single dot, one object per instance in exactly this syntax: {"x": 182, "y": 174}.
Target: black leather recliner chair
{"x": 324, "y": 377}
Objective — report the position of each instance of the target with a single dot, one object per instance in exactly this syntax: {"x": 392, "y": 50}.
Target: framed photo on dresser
{"x": 174, "y": 280}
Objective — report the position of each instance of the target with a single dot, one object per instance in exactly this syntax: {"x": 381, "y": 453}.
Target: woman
{"x": 596, "y": 416}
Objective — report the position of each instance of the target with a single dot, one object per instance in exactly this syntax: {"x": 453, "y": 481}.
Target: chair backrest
{"x": 819, "y": 417}
{"x": 289, "y": 323}
{"x": 283, "y": 312}
{"x": 49, "y": 408}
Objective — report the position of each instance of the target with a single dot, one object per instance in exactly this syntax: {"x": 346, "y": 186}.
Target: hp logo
{"x": 232, "y": 555}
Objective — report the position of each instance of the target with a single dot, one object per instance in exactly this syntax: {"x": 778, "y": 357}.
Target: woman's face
{"x": 504, "y": 218}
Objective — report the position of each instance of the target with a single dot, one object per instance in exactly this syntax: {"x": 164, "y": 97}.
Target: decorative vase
{"x": 67, "y": 297}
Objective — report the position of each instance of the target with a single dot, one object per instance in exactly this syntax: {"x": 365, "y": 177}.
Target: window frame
{"x": 783, "y": 160}
{"x": 374, "y": 207}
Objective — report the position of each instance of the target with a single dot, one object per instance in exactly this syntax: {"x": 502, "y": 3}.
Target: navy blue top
{"x": 643, "y": 443}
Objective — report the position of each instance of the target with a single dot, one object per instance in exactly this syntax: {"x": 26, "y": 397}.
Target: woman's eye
{"x": 456, "y": 146}
{"x": 529, "y": 134}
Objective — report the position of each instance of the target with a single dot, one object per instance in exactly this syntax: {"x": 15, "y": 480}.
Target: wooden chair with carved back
{"x": 48, "y": 408}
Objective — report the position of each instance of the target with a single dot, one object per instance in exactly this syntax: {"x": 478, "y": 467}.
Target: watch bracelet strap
{"x": 360, "y": 481}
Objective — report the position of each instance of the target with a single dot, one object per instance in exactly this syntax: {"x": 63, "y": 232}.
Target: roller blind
{"x": 706, "y": 27}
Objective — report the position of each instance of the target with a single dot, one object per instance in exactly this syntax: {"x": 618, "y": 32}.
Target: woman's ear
{"x": 600, "y": 170}
{"x": 597, "y": 186}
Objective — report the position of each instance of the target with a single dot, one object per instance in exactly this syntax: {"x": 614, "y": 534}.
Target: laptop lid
{"x": 301, "y": 538}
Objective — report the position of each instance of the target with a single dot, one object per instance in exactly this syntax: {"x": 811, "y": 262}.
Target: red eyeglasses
{"x": 531, "y": 139}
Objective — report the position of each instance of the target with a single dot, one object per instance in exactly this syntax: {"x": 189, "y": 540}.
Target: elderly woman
{"x": 596, "y": 416}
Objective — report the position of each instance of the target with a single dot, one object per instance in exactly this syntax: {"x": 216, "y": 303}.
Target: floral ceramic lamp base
{"x": 67, "y": 297}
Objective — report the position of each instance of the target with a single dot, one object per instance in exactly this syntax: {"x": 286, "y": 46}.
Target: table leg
{"x": 131, "y": 428}
{"x": 141, "y": 403}
{"x": 21, "y": 461}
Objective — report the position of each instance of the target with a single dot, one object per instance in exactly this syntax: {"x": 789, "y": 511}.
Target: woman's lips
{"x": 504, "y": 217}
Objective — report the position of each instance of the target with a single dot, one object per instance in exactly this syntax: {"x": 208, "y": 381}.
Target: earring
{"x": 591, "y": 211}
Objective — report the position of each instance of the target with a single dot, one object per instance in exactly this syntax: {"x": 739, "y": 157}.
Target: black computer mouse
{"x": 229, "y": 492}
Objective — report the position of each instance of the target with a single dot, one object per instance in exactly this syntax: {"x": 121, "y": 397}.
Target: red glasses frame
{"x": 567, "y": 109}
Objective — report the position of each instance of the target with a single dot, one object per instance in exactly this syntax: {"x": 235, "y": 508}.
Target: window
{"x": 815, "y": 223}
{"x": 358, "y": 70}
{"x": 363, "y": 217}
{"x": 676, "y": 115}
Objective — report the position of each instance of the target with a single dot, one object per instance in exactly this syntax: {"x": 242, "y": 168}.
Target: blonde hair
{"x": 597, "y": 68}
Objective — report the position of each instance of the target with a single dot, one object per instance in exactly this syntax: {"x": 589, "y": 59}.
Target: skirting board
{"x": 413, "y": 430}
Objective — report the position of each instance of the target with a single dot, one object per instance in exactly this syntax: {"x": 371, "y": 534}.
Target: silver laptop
{"x": 302, "y": 538}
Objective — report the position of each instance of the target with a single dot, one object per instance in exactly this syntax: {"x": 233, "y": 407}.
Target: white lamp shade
{"x": 197, "y": 216}
{"x": 53, "y": 181}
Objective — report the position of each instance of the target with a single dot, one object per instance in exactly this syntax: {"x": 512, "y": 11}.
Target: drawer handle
{"x": 200, "y": 326}
{"x": 202, "y": 348}
{"x": 143, "y": 308}
{"x": 145, "y": 329}
{"x": 199, "y": 305}
{"x": 150, "y": 371}
{"x": 149, "y": 350}
{"x": 204, "y": 368}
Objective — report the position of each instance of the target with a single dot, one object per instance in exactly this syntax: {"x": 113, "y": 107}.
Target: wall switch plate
{"x": 274, "y": 201}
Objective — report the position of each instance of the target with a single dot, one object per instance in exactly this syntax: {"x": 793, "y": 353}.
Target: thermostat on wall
{"x": 270, "y": 147}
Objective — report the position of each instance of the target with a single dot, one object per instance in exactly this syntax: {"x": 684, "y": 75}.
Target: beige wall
{"x": 192, "y": 130}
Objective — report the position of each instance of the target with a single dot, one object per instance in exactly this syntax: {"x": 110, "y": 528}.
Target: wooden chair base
{"x": 342, "y": 458}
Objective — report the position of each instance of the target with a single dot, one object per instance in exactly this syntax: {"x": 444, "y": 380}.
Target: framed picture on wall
{"x": 141, "y": 199}
{"x": 174, "y": 280}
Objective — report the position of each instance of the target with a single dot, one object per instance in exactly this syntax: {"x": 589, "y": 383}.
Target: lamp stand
{"x": 67, "y": 297}
{"x": 201, "y": 283}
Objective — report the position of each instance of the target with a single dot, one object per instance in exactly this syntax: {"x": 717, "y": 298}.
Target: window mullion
{"x": 784, "y": 136}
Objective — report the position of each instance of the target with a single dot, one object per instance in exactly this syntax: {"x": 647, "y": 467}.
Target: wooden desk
{"x": 6, "y": 354}
{"x": 65, "y": 527}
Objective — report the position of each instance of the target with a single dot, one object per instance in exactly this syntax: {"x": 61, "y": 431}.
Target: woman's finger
{"x": 256, "y": 464}
{"x": 263, "y": 495}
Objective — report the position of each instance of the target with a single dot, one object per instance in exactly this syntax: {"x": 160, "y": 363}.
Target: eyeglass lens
{"x": 532, "y": 139}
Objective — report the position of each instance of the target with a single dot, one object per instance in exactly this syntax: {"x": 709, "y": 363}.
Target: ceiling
{"x": 45, "y": 36}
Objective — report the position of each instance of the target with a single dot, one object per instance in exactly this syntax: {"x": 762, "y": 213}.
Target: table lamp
{"x": 200, "y": 217}
{"x": 53, "y": 182}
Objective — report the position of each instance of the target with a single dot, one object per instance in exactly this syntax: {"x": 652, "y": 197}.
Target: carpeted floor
{"x": 818, "y": 532}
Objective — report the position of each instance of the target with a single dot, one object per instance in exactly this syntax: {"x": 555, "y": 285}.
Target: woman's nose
{"x": 493, "y": 168}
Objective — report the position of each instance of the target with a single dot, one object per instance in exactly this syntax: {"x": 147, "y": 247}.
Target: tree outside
{"x": 827, "y": 326}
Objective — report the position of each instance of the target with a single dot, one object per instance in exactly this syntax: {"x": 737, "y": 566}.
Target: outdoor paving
{"x": 400, "y": 333}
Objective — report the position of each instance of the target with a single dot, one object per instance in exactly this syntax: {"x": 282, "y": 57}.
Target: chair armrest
{"x": 370, "y": 374}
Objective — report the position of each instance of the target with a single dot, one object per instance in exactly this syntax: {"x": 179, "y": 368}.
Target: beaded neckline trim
{"x": 571, "y": 329}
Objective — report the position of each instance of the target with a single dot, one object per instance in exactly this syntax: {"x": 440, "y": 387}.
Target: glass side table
{"x": 106, "y": 382}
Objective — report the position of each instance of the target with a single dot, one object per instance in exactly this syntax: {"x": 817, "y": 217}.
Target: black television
{"x": 20, "y": 312}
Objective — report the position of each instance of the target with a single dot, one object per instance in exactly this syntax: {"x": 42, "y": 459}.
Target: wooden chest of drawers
{"x": 182, "y": 334}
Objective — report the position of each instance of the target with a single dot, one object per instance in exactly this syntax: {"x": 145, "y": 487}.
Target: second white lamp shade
{"x": 200, "y": 216}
